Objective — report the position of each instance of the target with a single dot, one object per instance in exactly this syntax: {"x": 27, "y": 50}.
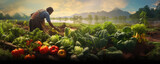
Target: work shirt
{"x": 45, "y": 14}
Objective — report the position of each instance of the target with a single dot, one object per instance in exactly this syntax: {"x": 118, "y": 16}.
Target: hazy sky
{"x": 70, "y": 7}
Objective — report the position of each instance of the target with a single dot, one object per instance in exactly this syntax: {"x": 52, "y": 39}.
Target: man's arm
{"x": 53, "y": 26}
{"x": 49, "y": 21}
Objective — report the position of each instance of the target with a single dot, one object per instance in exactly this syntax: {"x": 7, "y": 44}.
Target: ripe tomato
{"x": 21, "y": 51}
{"x": 37, "y": 48}
{"x": 39, "y": 42}
{"x": 27, "y": 57}
{"x": 53, "y": 49}
{"x": 15, "y": 53}
{"x": 44, "y": 49}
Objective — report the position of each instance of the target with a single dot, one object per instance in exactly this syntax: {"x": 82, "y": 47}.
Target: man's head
{"x": 50, "y": 10}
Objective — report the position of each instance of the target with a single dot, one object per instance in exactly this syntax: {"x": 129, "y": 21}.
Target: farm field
{"x": 99, "y": 42}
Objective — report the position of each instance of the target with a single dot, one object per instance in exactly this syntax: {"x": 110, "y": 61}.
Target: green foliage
{"x": 109, "y": 27}
{"x": 112, "y": 48}
{"x": 102, "y": 34}
{"x": 20, "y": 41}
{"x": 143, "y": 18}
{"x": 5, "y": 55}
{"x": 53, "y": 39}
{"x": 6, "y": 26}
{"x": 96, "y": 28}
{"x": 77, "y": 50}
{"x": 86, "y": 29}
{"x": 120, "y": 35}
{"x": 110, "y": 53}
{"x": 67, "y": 31}
{"x": 139, "y": 28}
{"x": 154, "y": 54}
{"x": 66, "y": 42}
{"x": 14, "y": 33}
{"x": 126, "y": 29}
{"x": 127, "y": 45}
{"x": 38, "y": 34}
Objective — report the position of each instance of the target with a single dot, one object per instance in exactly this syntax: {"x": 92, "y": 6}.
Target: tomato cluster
{"x": 17, "y": 52}
{"x": 43, "y": 49}
{"x": 29, "y": 56}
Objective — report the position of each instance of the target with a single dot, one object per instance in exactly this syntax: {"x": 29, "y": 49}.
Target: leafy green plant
{"x": 53, "y": 39}
{"x": 38, "y": 34}
{"x": 139, "y": 28}
{"x": 66, "y": 42}
{"x": 109, "y": 53}
{"x": 77, "y": 50}
{"x": 67, "y": 31}
{"x": 20, "y": 41}
{"x": 102, "y": 34}
{"x": 127, "y": 46}
{"x": 96, "y": 28}
{"x": 126, "y": 29}
{"x": 109, "y": 27}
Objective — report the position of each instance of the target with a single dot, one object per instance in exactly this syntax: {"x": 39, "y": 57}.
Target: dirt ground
{"x": 153, "y": 36}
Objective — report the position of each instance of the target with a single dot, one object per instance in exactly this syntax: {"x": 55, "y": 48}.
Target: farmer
{"x": 37, "y": 19}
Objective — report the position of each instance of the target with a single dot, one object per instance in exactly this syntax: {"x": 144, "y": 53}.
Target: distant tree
{"x": 115, "y": 18}
{"x": 150, "y": 13}
{"x": 90, "y": 17}
{"x": 103, "y": 17}
{"x": 7, "y": 16}
{"x": 96, "y": 17}
{"x": 107, "y": 18}
{"x": 158, "y": 7}
{"x": 17, "y": 16}
{"x": 143, "y": 18}
{"x": 1, "y": 16}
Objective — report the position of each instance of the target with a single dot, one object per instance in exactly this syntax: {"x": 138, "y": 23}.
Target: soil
{"x": 61, "y": 28}
{"x": 153, "y": 36}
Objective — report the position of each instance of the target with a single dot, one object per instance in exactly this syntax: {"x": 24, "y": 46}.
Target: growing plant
{"x": 20, "y": 41}
{"x": 139, "y": 32}
{"x": 38, "y": 34}
{"x": 96, "y": 28}
{"x": 53, "y": 39}
{"x": 109, "y": 27}
{"x": 139, "y": 28}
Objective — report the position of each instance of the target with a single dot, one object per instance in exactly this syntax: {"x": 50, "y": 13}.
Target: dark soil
{"x": 153, "y": 36}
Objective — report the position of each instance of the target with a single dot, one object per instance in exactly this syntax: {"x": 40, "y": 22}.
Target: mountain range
{"x": 113, "y": 13}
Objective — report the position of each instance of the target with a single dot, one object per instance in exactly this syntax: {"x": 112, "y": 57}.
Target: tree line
{"x": 15, "y": 16}
{"x": 151, "y": 13}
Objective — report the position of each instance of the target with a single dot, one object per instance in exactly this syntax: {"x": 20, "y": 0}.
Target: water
{"x": 88, "y": 21}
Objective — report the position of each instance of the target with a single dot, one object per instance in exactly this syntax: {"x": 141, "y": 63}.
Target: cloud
{"x": 61, "y": 7}
{"x": 156, "y": 3}
{"x": 132, "y": 12}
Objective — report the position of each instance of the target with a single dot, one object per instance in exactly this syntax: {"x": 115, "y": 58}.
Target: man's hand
{"x": 53, "y": 26}
{"x": 57, "y": 29}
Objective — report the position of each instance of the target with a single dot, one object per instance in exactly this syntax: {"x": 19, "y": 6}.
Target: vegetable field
{"x": 98, "y": 42}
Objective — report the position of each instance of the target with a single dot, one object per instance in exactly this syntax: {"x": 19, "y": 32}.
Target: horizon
{"x": 70, "y": 7}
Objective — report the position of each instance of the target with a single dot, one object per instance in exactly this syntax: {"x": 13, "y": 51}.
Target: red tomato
{"x": 21, "y": 51}
{"x": 44, "y": 50}
{"x": 40, "y": 44}
{"x": 53, "y": 49}
{"x": 27, "y": 57}
{"x": 15, "y": 53}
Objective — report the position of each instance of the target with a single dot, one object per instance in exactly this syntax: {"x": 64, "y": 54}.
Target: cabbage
{"x": 54, "y": 38}
{"x": 78, "y": 50}
{"x": 66, "y": 42}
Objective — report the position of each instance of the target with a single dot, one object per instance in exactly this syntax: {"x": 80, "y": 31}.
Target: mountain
{"x": 113, "y": 13}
